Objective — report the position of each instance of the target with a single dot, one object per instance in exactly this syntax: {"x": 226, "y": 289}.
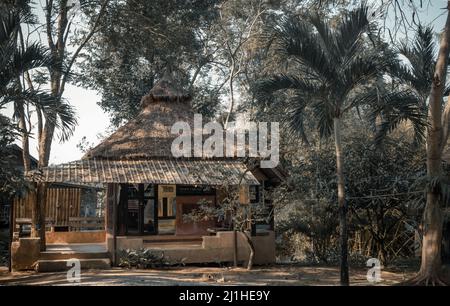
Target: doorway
{"x": 138, "y": 210}
{"x": 167, "y": 209}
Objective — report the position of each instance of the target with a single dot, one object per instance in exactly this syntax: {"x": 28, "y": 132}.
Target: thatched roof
{"x": 165, "y": 90}
{"x": 151, "y": 171}
{"x": 148, "y": 135}
{"x": 140, "y": 150}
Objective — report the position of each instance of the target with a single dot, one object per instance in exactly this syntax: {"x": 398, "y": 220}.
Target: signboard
{"x": 195, "y": 190}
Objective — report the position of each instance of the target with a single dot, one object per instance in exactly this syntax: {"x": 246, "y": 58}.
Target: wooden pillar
{"x": 155, "y": 209}
{"x": 11, "y": 231}
{"x": 122, "y": 213}
{"x": 141, "y": 209}
{"x": 114, "y": 223}
{"x": 253, "y": 228}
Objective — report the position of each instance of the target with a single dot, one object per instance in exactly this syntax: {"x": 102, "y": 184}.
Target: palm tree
{"x": 335, "y": 69}
{"x": 16, "y": 61}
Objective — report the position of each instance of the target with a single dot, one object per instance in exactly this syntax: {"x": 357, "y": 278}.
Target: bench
{"x": 23, "y": 226}
{"x": 77, "y": 224}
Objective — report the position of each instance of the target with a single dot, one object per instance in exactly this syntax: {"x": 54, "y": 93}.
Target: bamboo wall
{"x": 61, "y": 203}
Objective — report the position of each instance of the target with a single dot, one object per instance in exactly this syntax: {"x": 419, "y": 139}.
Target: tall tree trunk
{"x": 431, "y": 265}
{"x": 343, "y": 234}
{"x": 38, "y": 215}
{"x": 25, "y": 139}
{"x": 45, "y": 143}
{"x": 22, "y": 120}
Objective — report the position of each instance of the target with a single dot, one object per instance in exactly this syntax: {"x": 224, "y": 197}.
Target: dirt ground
{"x": 274, "y": 275}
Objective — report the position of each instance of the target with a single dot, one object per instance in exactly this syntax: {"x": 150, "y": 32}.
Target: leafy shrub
{"x": 141, "y": 259}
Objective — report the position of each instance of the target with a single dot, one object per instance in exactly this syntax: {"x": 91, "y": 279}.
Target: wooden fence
{"x": 61, "y": 204}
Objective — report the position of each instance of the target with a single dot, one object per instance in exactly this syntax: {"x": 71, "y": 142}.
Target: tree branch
{"x": 83, "y": 43}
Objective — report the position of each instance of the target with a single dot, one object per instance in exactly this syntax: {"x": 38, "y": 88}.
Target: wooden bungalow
{"x": 148, "y": 190}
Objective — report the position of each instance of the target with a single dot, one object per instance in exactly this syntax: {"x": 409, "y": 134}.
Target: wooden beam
{"x": 141, "y": 209}
{"x": 155, "y": 209}
{"x": 11, "y": 232}
{"x": 114, "y": 223}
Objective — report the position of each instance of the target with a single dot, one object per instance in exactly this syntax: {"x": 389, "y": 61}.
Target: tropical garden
{"x": 359, "y": 89}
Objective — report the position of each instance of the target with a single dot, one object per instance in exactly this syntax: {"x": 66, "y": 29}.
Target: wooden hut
{"x": 63, "y": 200}
{"x": 148, "y": 190}
{"x": 64, "y": 203}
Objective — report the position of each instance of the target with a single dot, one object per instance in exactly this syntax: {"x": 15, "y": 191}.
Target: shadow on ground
{"x": 185, "y": 276}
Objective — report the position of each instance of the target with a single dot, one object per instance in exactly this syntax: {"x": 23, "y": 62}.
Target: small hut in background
{"x": 63, "y": 201}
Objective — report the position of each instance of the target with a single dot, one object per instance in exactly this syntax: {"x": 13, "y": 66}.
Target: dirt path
{"x": 276, "y": 275}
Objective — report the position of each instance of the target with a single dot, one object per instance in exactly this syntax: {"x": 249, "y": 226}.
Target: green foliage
{"x": 12, "y": 182}
{"x": 235, "y": 214}
{"x": 16, "y": 60}
{"x": 141, "y": 259}
{"x": 420, "y": 55}
{"x": 136, "y": 43}
{"x": 383, "y": 187}
{"x": 326, "y": 65}
{"x": 332, "y": 69}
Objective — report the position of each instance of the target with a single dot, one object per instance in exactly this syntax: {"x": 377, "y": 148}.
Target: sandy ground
{"x": 275, "y": 275}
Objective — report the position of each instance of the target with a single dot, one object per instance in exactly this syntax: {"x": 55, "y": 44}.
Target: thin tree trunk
{"x": 251, "y": 256}
{"x": 343, "y": 235}
{"x": 25, "y": 139}
{"x": 231, "y": 87}
{"x": 22, "y": 121}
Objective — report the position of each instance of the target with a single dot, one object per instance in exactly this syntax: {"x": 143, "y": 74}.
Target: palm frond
{"x": 295, "y": 119}
{"x": 393, "y": 108}
{"x": 352, "y": 26}
{"x": 57, "y": 111}
{"x": 297, "y": 39}
{"x": 326, "y": 35}
{"x": 440, "y": 185}
{"x": 33, "y": 56}
{"x": 324, "y": 111}
{"x": 421, "y": 57}
{"x": 283, "y": 82}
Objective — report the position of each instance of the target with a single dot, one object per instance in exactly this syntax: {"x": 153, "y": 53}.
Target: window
{"x": 254, "y": 194}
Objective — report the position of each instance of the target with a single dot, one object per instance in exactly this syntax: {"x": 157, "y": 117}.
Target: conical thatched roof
{"x": 166, "y": 90}
{"x": 148, "y": 135}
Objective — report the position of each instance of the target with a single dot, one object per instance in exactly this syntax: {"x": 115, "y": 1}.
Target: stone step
{"x": 49, "y": 255}
{"x": 44, "y": 265}
{"x": 172, "y": 240}
{"x": 171, "y": 246}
